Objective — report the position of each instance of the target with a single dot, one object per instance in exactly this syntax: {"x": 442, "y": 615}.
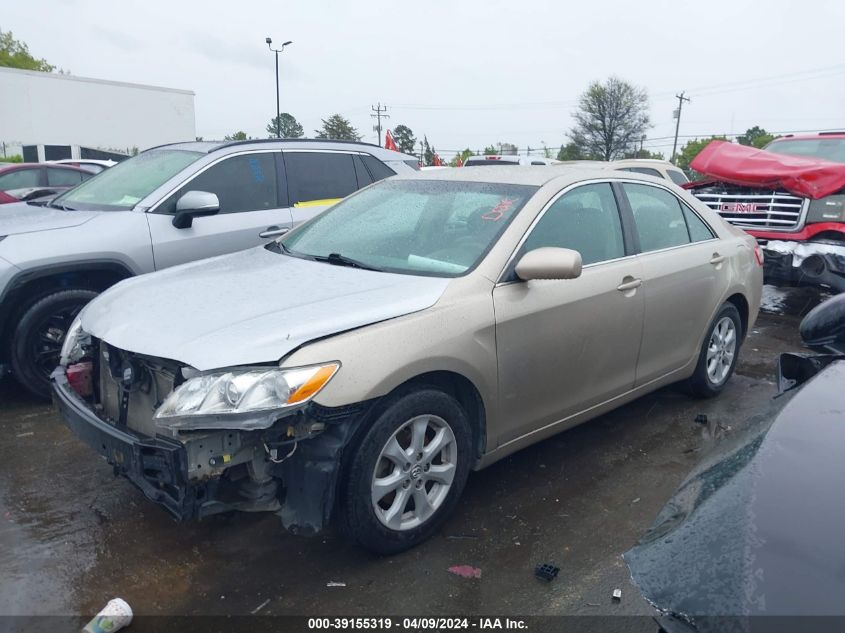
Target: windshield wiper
{"x": 342, "y": 260}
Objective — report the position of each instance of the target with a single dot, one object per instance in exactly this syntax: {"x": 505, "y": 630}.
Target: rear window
{"x": 648, "y": 171}
{"x": 678, "y": 177}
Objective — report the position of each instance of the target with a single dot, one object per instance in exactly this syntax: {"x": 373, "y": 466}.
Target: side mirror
{"x": 194, "y": 204}
{"x": 549, "y": 263}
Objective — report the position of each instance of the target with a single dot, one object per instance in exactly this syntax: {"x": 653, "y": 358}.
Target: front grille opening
{"x": 753, "y": 208}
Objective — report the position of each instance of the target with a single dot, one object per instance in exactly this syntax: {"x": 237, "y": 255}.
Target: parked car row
{"x": 27, "y": 181}
{"x": 358, "y": 365}
{"x": 166, "y": 206}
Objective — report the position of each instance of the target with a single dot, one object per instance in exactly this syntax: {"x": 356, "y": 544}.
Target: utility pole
{"x": 681, "y": 98}
{"x": 642, "y": 141}
{"x": 379, "y": 115}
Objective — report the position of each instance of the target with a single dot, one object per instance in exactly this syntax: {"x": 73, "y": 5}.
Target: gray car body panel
{"x": 274, "y": 303}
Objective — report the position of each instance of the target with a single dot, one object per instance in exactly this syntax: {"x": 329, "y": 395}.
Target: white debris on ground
{"x": 774, "y": 300}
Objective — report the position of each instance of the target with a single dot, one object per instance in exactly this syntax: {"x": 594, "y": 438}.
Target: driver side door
{"x": 564, "y": 346}
{"x": 252, "y": 203}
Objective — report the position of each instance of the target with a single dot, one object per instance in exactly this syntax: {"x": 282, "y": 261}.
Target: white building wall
{"x": 48, "y": 108}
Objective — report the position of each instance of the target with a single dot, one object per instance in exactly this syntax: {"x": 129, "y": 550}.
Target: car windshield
{"x": 424, "y": 227}
{"x": 121, "y": 187}
{"x": 826, "y": 148}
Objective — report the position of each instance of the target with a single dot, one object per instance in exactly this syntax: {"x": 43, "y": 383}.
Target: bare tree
{"x": 610, "y": 119}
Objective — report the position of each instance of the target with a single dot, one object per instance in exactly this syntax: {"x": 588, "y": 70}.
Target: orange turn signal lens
{"x": 311, "y": 386}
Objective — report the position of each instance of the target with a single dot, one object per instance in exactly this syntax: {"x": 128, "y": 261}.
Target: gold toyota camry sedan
{"x": 358, "y": 368}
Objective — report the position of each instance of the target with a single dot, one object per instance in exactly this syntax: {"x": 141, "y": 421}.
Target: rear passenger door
{"x": 684, "y": 277}
{"x": 253, "y": 201}
{"x": 316, "y": 179}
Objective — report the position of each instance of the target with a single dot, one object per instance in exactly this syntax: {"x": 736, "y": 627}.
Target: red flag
{"x": 460, "y": 163}
{"x": 436, "y": 162}
{"x": 389, "y": 143}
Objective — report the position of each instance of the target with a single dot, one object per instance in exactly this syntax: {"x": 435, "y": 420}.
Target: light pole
{"x": 277, "y": 51}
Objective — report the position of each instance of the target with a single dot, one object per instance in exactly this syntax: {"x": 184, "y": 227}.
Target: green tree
{"x": 404, "y": 138}
{"x": 462, "y": 155}
{"x": 571, "y": 151}
{"x": 428, "y": 153}
{"x": 645, "y": 154}
{"x": 690, "y": 151}
{"x": 490, "y": 150}
{"x": 15, "y": 54}
{"x": 611, "y": 117}
{"x": 338, "y": 128}
{"x": 287, "y": 125}
{"x": 756, "y": 137}
{"x": 237, "y": 136}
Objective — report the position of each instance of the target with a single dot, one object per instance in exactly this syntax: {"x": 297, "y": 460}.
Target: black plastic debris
{"x": 701, "y": 418}
{"x": 546, "y": 571}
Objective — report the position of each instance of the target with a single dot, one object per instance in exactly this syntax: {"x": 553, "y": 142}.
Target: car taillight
{"x": 758, "y": 254}
{"x": 80, "y": 379}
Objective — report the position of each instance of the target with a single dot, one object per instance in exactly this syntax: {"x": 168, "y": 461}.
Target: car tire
{"x": 718, "y": 355}
{"x": 39, "y": 334}
{"x": 392, "y": 523}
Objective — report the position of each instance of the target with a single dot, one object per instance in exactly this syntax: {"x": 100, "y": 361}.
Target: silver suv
{"x": 168, "y": 205}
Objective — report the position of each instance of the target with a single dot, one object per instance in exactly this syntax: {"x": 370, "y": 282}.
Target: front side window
{"x": 658, "y": 216}
{"x": 317, "y": 176}
{"x": 58, "y": 177}
{"x": 586, "y": 220}
{"x": 424, "y": 227}
{"x": 241, "y": 183}
{"x": 123, "y": 186}
{"x": 20, "y": 179}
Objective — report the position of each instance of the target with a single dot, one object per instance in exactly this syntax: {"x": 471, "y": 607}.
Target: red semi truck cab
{"x": 782, "y": 196}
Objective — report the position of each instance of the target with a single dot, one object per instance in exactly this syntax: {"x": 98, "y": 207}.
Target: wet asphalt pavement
{"x": 72, "y": 536}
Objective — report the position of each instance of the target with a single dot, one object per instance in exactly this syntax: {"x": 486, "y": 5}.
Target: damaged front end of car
{"x": 202, "y": 443}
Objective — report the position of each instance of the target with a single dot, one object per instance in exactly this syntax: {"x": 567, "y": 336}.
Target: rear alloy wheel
{"x": 39, "y": 335}
{"x": 719, "y": 353}
{"x": 408, "y": 472}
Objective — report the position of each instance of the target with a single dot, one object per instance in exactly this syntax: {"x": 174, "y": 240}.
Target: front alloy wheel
{"x": 414, "y": 472}
{"x": 405, "y": 474}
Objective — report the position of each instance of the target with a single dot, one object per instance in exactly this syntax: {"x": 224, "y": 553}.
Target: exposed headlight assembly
{"x": 248, "y": 398}
{"x": 75, "y": 345}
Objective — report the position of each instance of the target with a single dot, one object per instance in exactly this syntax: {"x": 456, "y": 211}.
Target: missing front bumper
{"x": 805, "y": 263}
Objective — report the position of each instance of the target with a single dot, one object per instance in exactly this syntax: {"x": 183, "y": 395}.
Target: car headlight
{"x": 75, "y": 345}
{"x": 248, "y": 398}
{"x": 829, "y": 209}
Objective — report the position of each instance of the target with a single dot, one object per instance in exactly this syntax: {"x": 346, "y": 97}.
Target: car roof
{"x": 523, "y": 175}
{"x": 207, "y": 147}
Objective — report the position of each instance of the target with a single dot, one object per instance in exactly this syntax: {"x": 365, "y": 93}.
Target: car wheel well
{"x": 28, "y": 291}
{"x": 465, "y": 392}
{"x": 741, "y": 304}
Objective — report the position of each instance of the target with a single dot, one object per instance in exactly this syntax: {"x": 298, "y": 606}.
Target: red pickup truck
{"x": 790, "y": 196}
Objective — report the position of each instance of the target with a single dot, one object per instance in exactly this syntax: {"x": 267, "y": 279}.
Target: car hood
{"x": 20, "y": 217}
{"x": 740, "y": 165}
{"x": 250, "y": 307}
{"x": 757, "y": 527}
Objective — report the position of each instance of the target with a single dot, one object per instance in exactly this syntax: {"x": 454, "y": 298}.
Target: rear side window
{"x": 58, "y": 177}
{"x": 658, "y": 216}
{"x": 678, "y": 177}
{"x": 648, "y": 171}
{"x": 585, "y": 219}
{"x": 20, "y": 179}
{"x": 241, "y": 183}
{"x": 378, "y": 169}
{"x": 361, "y": 172}
{"x": 316, "y": 176}
{"x": 698, "y": 230}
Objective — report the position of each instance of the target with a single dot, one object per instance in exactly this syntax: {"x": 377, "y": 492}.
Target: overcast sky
{"x": 466, "y": 74}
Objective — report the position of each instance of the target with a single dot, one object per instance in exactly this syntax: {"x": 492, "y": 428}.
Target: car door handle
{"x": 629, "y": 285}
{"x": 274, "y": 231}
{"x": 717, "y": 259}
